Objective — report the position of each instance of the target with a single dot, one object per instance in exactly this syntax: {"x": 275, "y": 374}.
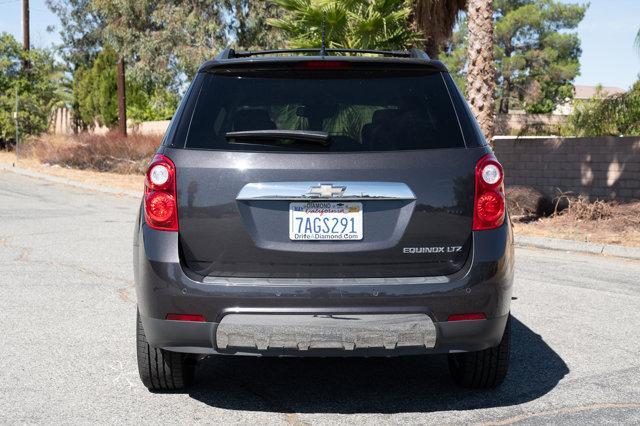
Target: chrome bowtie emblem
{"x": 326, "y": 190}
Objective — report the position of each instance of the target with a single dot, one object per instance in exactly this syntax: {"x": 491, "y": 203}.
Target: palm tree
{"x": 382, "y": 24}
{"x": 435, "y": 20}
{"x": 350, "y": 24}
{"x": 480, "y": 68}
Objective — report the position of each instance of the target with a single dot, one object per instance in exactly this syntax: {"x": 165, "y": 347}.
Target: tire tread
{"x": 161, "y": 370}
{"x": 482, "y": 369}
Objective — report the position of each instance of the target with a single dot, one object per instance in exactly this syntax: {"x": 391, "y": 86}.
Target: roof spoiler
{"x": 414, "y": 53}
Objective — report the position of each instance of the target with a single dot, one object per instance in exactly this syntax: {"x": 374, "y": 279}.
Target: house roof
{"x": 588, "y": 92}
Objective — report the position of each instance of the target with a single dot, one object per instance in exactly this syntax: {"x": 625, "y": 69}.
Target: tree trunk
{"x": 26, "y": 43}
{"x": 506, "y": 95}
{"x": 122, "y": 101}
{"x": 435, "y": 19}
{"x": 481, "y": 70}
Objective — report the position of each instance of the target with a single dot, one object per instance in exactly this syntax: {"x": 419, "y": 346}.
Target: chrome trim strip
{"x": 338, "y": 190}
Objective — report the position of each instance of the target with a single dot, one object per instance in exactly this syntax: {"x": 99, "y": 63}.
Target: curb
{"x": 65, "y": 181}
{"x": 578, "y": 246}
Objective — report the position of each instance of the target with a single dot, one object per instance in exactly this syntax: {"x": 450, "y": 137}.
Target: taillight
{"x": 160, "y": 208}
{"x": 489, "y": 201}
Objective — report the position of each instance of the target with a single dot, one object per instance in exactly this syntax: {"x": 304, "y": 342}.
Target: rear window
{"x": 360, "y": 110}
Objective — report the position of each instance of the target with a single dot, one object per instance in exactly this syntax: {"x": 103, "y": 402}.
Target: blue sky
{"x": 607, "y": 33}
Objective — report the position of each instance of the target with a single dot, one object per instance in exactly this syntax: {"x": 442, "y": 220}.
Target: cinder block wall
{"x": 605, "y": 168}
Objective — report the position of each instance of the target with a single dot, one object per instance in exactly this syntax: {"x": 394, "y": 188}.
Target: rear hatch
{"x": 296, "y": 170}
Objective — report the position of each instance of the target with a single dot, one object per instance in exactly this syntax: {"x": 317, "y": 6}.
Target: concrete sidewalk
{"x": 578, "y": 246}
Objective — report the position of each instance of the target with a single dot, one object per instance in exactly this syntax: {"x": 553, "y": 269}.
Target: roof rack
{"x": 230, "y": 53}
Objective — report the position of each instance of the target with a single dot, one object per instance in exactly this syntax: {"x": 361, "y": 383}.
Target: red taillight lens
{"x": 466, "y": 317}
{"x": 489, "y": 201}
{"x": 185, "y": 317}
{"x": 160, "y": 208}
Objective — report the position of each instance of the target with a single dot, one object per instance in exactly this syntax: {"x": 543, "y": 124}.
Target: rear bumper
{"x": 201, "y": 338}
{"x": 484, "y": 285}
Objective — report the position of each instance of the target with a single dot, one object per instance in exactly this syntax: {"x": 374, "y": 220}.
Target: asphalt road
{"x": 67, "y": 352}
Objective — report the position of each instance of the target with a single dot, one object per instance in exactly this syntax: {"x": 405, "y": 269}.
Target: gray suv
{"x": 323, "y": 203}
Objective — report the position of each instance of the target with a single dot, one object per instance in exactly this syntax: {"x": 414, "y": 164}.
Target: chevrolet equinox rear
{"x": 323, "y": 203}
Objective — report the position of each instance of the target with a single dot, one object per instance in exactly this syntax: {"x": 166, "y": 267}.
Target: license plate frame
{"x": 326, "y": 221}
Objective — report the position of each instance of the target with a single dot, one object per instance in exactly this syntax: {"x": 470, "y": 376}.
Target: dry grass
{"x": 103, "y": 153}
{"x": 598, "y": 222}
{"x": 581, "y": 209}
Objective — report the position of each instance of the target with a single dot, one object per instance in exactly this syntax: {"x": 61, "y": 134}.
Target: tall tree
{"x": 481, "y": 72}
{"x": 95, "y": 90}
{"x": 162, "y": 40}
{"x": 361, "y": 24}
{"x": 80, "y": 41}
{"x": 80, "y": 32}
{"x": 536, "y": 53}
{"x": 435, "y": 19}
{"x": 247, "y": 24}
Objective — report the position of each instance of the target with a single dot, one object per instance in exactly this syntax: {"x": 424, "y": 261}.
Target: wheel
{"x": 161, "y": 370}
{"x": 482, "y": 369}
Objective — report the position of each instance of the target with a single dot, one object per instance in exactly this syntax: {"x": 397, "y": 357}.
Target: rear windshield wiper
{"x": 267, "y": 136}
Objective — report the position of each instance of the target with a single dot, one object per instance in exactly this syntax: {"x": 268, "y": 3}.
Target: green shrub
{"x": 40, "y": 89}
{"x": 616, "y": 115}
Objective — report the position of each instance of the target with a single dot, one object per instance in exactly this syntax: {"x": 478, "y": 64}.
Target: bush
{"x": 40, "y": 89}
{"x": 105, "y": 153}
{"x": 614, "y": 115}
{"x": 528, "y": 202}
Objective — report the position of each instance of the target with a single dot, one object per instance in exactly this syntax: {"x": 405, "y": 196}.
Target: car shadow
{"x": 372, "y": 385}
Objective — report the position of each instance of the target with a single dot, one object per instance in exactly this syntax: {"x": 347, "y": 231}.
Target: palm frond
{"x": 371, "y": 24}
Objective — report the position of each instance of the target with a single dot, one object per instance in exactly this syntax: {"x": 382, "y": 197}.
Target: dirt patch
{"x": 597, "y": 222}
{"x": 129, "y": 182}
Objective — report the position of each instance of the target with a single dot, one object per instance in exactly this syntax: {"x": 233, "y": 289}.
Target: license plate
{"x": 323, "y": 220}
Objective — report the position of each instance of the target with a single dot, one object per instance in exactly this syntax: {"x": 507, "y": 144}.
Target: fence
{"x": 599, "y": 168}
{"x": 61, "y": 123}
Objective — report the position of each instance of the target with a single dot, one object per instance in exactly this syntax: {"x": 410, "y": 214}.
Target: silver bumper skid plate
{"x": 339, "y": 331}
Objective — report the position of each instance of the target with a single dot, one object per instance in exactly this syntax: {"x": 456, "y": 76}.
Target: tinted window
{"x": 360, "y": 110}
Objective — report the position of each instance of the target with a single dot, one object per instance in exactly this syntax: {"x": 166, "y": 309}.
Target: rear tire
{"x": 482, "y": 369}
{"x": 161, "y": 370}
